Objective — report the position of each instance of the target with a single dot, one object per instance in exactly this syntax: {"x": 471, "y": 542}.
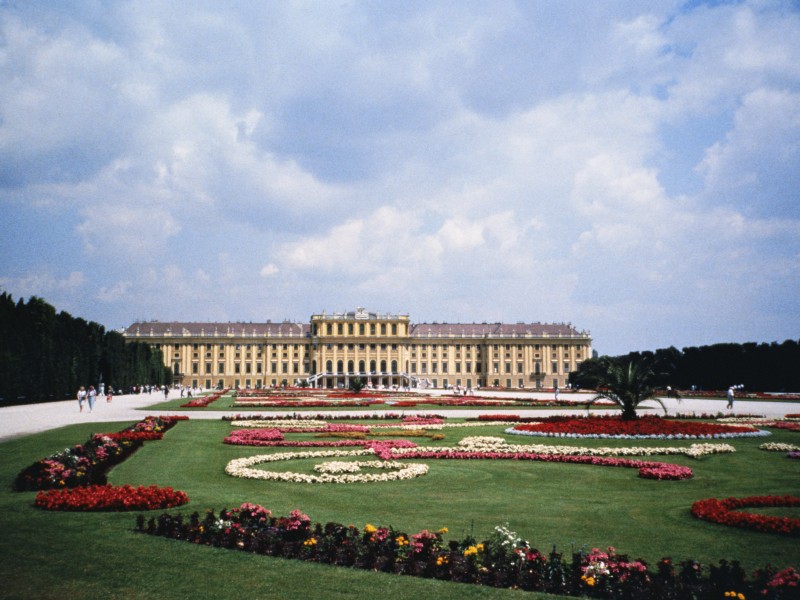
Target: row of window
{"x": 340, "y": 346}
{"x": 351, "y": 329}
{"x": 373, "y": 367}
{"x": 248, "y": 383}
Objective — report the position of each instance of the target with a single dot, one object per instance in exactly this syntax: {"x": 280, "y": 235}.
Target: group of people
{"x": 89, "y": 397}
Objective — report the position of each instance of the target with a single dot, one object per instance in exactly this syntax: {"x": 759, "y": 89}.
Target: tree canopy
{"x": 46, "y": 355}
{"x": 771, "y": 367}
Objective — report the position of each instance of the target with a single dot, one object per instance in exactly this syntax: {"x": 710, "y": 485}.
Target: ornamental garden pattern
{"x": 75, "y": 479}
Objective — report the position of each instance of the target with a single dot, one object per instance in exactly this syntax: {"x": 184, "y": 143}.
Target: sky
{"x": 629, "y": 167}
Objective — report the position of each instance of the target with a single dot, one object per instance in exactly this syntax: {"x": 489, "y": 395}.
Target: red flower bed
{"x": 648, "y": 426}
{"x": 726, "y": 512}
{"x": 788, "y": 425}
{"x": 499, "y": 417}
{"x": 110, "y": 498}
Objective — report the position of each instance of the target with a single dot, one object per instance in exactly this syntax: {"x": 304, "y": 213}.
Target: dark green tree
{"x": 356, "y": 385}
{"x": 627, "y": 385}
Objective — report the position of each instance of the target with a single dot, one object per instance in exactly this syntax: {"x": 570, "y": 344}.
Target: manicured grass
{"x": 58, "y": 555}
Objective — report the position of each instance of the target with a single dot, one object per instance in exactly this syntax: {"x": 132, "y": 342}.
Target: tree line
{"x": 46, "y": 355}
{"x": 762, "y": 367}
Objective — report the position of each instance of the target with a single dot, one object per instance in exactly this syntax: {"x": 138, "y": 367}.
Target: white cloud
{"x": 504, "y": 161}
{"x": 44, "y": 284}
{"x": 115, "y": 292}
{"x": 268, "y": 270}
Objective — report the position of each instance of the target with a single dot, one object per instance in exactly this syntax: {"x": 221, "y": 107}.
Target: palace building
{"x": 381, "y": 349}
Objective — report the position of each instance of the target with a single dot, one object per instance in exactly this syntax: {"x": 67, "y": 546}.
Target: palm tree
{"x": 627, "y": 385}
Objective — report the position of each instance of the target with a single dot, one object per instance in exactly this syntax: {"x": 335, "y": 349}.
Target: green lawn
{"x": 67, "y": 555}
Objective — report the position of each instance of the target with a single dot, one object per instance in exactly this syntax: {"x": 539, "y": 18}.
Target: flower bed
{"x": 311, "y": 403}
{"x": 137, "y": 436}
{"x": 647, "y": 469}
{"x": 88, "y": 464}
{"x": 496, "y": 444}
{"x": 110, "y": 498}
{"x": 253, "y": 437}
{"x": 503, "y": 560}
{"x": 727, "y": 512}
{"x": 779, "y": 447}
{"x": 203, "y": 401}
{"x": 241, "y": 467}
{"x": 641, "y": 428}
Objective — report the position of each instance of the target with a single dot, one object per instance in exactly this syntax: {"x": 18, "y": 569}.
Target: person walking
{"x": 91, "y": 396}
{"x": 730, "y": 397}
{"x": 81, "y": 398}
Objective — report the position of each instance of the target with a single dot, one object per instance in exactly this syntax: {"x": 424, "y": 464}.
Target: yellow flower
{"x": 310, "y": 542}
{"x": 588, "y": 580}
{"x": 370, "y": 528}
{"x": 443, "y": 530}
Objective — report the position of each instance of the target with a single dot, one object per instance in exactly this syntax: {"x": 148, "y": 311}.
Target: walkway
{"x": 16, "y": 421}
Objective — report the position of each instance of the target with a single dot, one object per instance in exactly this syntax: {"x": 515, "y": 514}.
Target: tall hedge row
{"x": 46, "y": 355}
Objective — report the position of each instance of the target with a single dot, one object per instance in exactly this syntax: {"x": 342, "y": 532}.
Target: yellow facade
{"x": 381, "y": 349}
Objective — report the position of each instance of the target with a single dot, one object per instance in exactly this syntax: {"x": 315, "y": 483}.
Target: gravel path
{"x": 16, "y": 421}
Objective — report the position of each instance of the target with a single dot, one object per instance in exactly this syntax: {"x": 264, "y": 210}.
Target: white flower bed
{"x": 497, "y": 444}
{"x": 779, "y": 447}
{"x": 625, "y": 436}
{"x": 282, "y": 424}
{"x": 242, "y": 467}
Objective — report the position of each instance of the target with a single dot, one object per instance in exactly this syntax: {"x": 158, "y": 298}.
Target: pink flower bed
{"x": 307, "y": 403}
{"x": 652, "y": 469}
{"x": 253, "y": 437}
{"x": 203, "y": 401}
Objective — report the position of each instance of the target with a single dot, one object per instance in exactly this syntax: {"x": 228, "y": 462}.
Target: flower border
{"x": 726, "y": 512}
